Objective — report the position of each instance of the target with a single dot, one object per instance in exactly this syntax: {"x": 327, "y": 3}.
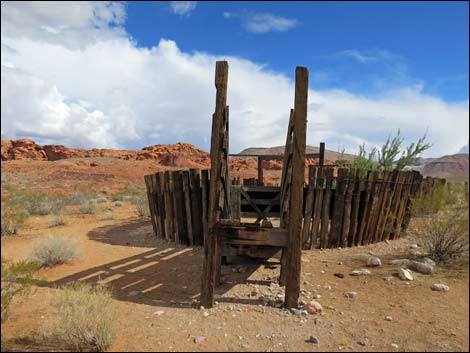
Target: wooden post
{"x": 296, "y": 194}
{"x": 260, "y": 170}
{"x": 356, "y": 198}
{"x": 211, "y": 244}
{"x": 187, "y": 207}
{"x": 325, "y": 211}
{"x": 317, "y": 208}
{"x": 204, "y": 202}
{"x": 196, "y": 215}
{"x": 322, "y": 154}
{"x": 306, "y": 233}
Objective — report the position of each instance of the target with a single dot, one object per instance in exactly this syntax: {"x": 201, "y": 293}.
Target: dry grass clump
{"x": 57, "y": 220}
{"x": 106, "y": 216}
{"x": 84, "y": 317}
{"x": 54, "y": 251}
{"x": 13, "y": 218}
{"x": 87, "y": 207}
{"x": 141, "y": 206}
{"x": 101, "y": 200}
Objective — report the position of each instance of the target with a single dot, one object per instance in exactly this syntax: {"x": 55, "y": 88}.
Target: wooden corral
{"x": 333, "y": 208}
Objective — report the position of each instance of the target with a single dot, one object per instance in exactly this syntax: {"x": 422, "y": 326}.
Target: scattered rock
{"x": 388, "y": 278}
{"x": 314, "y": 340}
{"x": 199, "y": 339}
{"x": 373, "y": 262}
{"x": 118, "y": 204}
{"x": 388, "y": 318}
{"x": 420, "y": 267}
{"x": 350, "y": 294}
{"x": 405, "y": 275}
{"x": 440, "y": 287}
{"x": 394, "y": 345}
{"x": 241, "y": 269}
{"x": 400, "y": 262}
{"x": 339, "y": 275}
{"x": 361, "y": 272}
{"x": 159, "y": 312}
{"x": 429, "y": 261}
{"x": 313, "y": 307}
{"x": 205, "y": 314}
{"x": 133, "y": 293}
{"x": 415, "y": 252}
{"x": 414, "y": 246}
{"x": 364, "y": 341}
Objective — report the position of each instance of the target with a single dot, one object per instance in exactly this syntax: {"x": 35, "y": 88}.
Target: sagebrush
{"x": 54, "y": 250}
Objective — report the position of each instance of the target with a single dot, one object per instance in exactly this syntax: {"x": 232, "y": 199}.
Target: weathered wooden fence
{"x": 342, "y": 208}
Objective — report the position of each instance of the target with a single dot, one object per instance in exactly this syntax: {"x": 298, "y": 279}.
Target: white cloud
{"x": 57, "y": 94}
{"x": 183, "y": 7}
{"x": 263, "y": 22}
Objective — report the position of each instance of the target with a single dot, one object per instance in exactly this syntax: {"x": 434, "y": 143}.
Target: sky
{"x": 129, "y": 75}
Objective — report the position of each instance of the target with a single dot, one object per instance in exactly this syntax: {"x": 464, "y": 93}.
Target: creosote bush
{"x": 57, "y": 220}
{"x": 84, "y": 317}
{"x": 88, "y": 207}
{"x": 54, "y": 250}
{"x": 141, "y": 206}
{"x": 16, "y": 279}
{"x": 13, "y": 218}
{"x": 106, "y": 216}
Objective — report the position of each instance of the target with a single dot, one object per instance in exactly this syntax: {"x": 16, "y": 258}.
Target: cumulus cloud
{"x": 164, "y": 95}
{"x": 183, "y": 7}
{"x": 263, "y": 22}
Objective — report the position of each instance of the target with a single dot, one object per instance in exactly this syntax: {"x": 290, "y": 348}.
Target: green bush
{"x": 106, "y": 216}
{"x": 16, "y": 279}
{"x": 57, "y": 220}
{"x": 54, "y": 250}
{"x": 84, "y": 317}
{"x": 141, "y": 206}
{"x": 87, "y": 207}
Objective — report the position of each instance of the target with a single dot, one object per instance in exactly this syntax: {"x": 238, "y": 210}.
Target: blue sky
{"x": 402, "y": 42}
{"x": 129, "y": 75}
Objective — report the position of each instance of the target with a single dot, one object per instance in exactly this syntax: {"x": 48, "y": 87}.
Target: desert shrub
{"x": 84, "y": 317}
{"x": 141, "y": 206}
{"x": 105, "y": 190}
{"x": 435, "y": 201}
{"x": 57, "y": 220}
{"x": 445, "y": 235}
{"x": 106, "y": 216}
{"x": 16, "y": 279}
{"x": 118, "y": 203}
{"x": 54, "y": 251}
{"x": 87, "y": 207}
{"x": 13, "y": 218}
{"x": 101, "y": 200}
{"x": 130, "y": 190}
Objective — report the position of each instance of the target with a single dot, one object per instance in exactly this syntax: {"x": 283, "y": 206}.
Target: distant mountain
{"x": 453, "y": 167}
{"x": 329, "y": 155}
{"x": 464, "y": 149}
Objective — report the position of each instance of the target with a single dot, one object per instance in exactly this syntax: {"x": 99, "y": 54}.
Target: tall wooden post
{"x": 260, "y": 170}
{"x": 296, "y": 195}
{"x": 322, "y": 154}
{"x": 211, "y": 250}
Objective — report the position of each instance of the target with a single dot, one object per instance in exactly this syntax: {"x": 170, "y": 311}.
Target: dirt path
{"x": 155, "y": 286}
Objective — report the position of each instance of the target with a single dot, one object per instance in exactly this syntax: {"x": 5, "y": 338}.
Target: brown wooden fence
{"x": 342, "y": 208}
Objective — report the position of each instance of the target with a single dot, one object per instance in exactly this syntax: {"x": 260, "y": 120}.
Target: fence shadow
{"x": 167, "y": 275}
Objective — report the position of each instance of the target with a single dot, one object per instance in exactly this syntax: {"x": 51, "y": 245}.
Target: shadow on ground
{"x": 167, "y": 275}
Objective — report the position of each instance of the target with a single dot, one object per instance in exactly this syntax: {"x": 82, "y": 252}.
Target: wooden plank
{"x": 260, "y": 170}
{"x": 296, "y": 193}
{"x": 255, "y": 237}
{"x": 187, "y": 207}
{"x": 347, "y": 207}
{"x": 338, "y": 210}
{"x": 180, "y": 208}
{"x": 211, "y": 250}
{"x": 394, "y": 207}
{"x": 161, "y": 202}
{"x": 325, "y": 211}
{"x": 392, "y": 183}
{"x": 167, "y": 206}
{"x": 196, "y": 209}
{"x": 150, "y": 192}
{"x": 417, "y": 178}
{"x": 252, "y": 204}
{"x": 318, "y": 201}
{"x": 404, "y": 203}
{"x": 204, "y": 201}
{"x": 380, "y": 207}
{"x": 375, "y": 194}
{"x": 286, "y": 173}
{"x": 356, "y": 198}
{"x": 174, "y": 212}
{"x": 306, "y": 233}
{"x": 366, "y": 207}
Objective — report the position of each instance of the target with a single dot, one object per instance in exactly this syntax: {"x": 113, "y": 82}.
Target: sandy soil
{"x": 156, "y": 286}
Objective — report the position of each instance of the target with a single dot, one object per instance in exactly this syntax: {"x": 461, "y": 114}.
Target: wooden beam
{"x": 322, "y": 154}
{"x": 260, "y": 171}
{"x": 296, "y": 192}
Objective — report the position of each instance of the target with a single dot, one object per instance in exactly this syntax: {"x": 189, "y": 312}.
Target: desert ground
{"x": 156, "y": 285}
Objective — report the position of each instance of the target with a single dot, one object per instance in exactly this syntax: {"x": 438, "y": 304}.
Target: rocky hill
{"x": 455, "y": 166}
{"x": 329, "y": 154}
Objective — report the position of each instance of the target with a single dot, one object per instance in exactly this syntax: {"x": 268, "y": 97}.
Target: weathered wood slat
{"x": 196, "y": 205}
{"x": 325, "y": 212}
{"x": 318, "y": 199}
{"x": 187, "y": 207}
{"x": 306, "y": 233}
{"x": 347, "y": 207}
{"x": 356, "y": 198}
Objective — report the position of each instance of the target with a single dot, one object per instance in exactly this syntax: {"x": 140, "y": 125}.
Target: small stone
{"x": 440, "y": 287}
{"x": 415, "y": 252}
{"x": 339, "y": 275}
{"x": 414, "y": 246}
{"x": 133, "y": 293}
{"x": 388, "y": 318}
{"x": 405, "y": 275}
{"x": 394, "y": 345}
{"x": 364, "y": 341}
{"x": 361, "y": 272}
{"x": 388, "y": 278}
{"x": 350, "y": 294}
{"x": 400, "y": 262}
{"x": 314, "y": 340}
{"x": 205, "y": 314}
{"x": 199, "y": 339}
{"x": 429, "y": 261}
{"x": 160, "y": 312}
{"x": 241, "y": 269}
{"x": 313, "y": 307}
{"x": 420, "y": 267}
{"x": 373, "y": 262}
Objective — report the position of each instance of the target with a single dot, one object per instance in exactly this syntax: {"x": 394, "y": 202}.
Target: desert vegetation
{"x": 84, "y": 317}
{"x": 54, "y": 250}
